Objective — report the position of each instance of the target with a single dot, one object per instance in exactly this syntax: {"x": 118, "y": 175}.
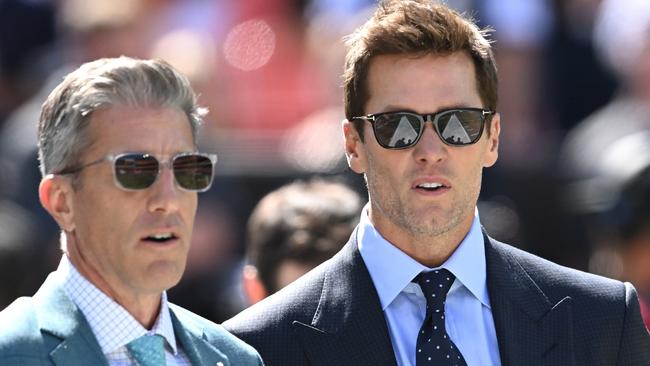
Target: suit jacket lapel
{"x": 75, "y": 343}
{"x": 62, "y": 323}
{"x": 348, "y": 326}
{"x": 531, "y": 329}
{"x": 194, "y": 344}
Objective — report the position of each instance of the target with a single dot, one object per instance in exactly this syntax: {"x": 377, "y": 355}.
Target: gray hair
{"x": 62, "y": 127}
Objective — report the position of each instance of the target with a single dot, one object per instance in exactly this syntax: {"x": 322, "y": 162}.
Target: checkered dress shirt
{"x": 112, "y": 325}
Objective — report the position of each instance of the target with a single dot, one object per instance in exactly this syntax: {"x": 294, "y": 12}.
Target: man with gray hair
{"x": 121, "y": 172}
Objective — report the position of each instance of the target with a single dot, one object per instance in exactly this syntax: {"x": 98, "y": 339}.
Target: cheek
{"x": 107, "y": 216}
{"x": 186, "y": 213}
{"x": 472, "y": 168}
{"x": 190, "y": 204}
{"x": 386, "y": 173}
{"x": 375, "y": 168}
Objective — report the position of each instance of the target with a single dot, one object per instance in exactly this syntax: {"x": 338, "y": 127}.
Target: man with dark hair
{"x": 121, "y": 172}
{"x": 420, "y": 282}
{"x": 295, "y": 228}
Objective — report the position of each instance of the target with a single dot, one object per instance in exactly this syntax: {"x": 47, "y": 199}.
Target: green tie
{"x": 148, "y": 350}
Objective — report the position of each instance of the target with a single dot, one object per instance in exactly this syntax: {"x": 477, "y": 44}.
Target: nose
{"x": 430, "y": 148}
{"x": 164, "y": 194}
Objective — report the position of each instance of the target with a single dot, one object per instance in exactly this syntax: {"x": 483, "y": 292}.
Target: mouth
{"x": 431, "y": 186}
{"x": 161, "y": 238}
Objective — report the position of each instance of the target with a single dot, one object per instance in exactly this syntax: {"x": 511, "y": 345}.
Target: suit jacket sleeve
{"x": 635, "y": 340}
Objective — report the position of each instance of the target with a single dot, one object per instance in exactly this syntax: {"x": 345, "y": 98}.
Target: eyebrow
{"x": 395, "y": 108}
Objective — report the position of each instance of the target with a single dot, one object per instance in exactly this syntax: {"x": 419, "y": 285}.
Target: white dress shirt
{"x": 112, "y": 325}
{"x": 468, "y": 316}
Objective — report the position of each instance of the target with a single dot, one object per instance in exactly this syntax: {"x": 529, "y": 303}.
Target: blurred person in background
{"x": 117, "y": 145}
{"x": 622, "y": 36}
{"x": 294, "y": 229}
{"x": 549, "y": 79}
{"x": 613, "y": 203}
{"x": 605, "y": 158}
{"x": 420, "y": 282}
{"x": 26, "y": 28}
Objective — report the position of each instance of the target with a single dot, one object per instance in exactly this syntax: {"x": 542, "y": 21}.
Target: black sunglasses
{"x": 193, "y": 171}
{"x": 400, "y": 130}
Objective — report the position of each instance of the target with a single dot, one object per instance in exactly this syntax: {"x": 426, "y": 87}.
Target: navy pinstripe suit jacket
{"x": 544, "y": 314}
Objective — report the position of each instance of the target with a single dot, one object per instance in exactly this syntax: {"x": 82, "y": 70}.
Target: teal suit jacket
{"x": 48, "y": 329}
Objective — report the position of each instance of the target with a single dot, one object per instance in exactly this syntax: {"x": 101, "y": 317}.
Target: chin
{"x": 165, "y": 274}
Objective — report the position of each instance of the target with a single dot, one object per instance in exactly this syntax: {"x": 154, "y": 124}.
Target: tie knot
{"x": 435, "y": 284}
{"x": 148, "y": 350}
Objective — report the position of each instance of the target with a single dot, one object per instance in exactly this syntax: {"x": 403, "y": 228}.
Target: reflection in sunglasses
{"x": 193, "y": 171}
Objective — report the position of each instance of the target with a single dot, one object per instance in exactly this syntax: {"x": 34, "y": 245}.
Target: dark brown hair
{"x": 304, "y": 222}
{"x": 416, "y": 28}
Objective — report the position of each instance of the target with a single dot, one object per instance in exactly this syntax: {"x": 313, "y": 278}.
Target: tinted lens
{"x": 460, "y": 127}
{"x": 397, "y": 130}
{"x": 193, "y": 172}
{"x": 136, "y": 171}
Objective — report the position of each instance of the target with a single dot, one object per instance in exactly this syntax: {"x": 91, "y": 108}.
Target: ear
{"x": 55, "y": 194}
{"x": 492, "y": 153}
{"x": 354, "y": 148}
{"x": 253, "y": 287}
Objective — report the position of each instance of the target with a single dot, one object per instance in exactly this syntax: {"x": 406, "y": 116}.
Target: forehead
{"x": 422, "y": 83}
{"x": 157, "y": 130}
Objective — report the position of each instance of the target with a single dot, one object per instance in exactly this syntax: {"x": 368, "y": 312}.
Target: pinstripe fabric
{"x": 547, "y": 314}
{"x": 331, "y": 316}
{"x": 544, "y": 314}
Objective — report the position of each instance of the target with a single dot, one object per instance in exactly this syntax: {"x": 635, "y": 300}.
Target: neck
{"x": 429, "y": 250}
{"x": 143, "y": 307}
{"x": 144, "y": 310}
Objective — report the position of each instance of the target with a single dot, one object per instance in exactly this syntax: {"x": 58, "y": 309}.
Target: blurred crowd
{"x": 573, "y": 179}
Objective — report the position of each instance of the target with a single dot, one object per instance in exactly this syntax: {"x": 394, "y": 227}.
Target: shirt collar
{"x": 103, "y": 313}
{"x": 392, "y": 270}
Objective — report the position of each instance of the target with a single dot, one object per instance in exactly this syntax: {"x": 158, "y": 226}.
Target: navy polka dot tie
{"x": 434, "y": 347}
{"x": 148, "y": 350}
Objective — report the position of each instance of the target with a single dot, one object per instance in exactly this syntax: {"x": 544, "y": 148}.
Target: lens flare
{"x": 249, "y": 45}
